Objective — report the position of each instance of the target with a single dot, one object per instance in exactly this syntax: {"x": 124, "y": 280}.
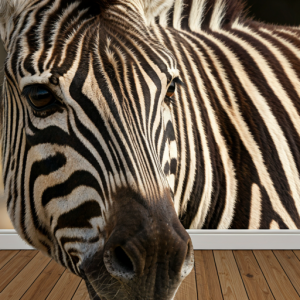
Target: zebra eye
{"x": 38, "y": 96}
{"x": 171, "y": 89}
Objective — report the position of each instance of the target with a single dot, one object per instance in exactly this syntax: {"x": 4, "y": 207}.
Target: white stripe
{"x": 177, "y": 14}
{"x": 285, "y": 30}
{"x": 255, "y": 210}
{"x": 197, "y": 14}
{"x": 217, "y": 15}
{"x": 274, "y": 225}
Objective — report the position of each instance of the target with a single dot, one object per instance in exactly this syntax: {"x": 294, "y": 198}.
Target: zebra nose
{"x": 188, "y": 261}
{"x": 138, "y": 257}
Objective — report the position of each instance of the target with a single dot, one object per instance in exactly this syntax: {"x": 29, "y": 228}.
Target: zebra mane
{"x": 214, "y": 13}
{"x": 10, "y": 7}
{"x": 197, "y": 14}
{"x": 202, "y": 14}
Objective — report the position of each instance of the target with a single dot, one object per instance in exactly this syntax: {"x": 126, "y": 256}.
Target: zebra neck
{"x": 223, "y": 128}
{"x": 205, "y": 182}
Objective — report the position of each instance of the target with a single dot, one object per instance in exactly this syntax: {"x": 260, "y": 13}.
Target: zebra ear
{"x": 155, "y": 8}
{"x": 8, "y": 10}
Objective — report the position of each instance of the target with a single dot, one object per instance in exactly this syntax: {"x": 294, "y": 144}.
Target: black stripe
{"x": 80, "y": 216}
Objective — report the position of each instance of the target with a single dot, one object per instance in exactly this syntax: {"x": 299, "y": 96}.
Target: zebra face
{"x": 89, "y": 148}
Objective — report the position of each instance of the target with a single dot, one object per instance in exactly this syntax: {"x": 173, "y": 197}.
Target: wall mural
{"x": 283, "y": 11}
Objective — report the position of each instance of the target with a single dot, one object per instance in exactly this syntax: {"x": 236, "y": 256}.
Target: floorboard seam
{"x": 76, "y": 289}
{"x": 263, "y": 274}
{"x": 9, "y": 260}
{"x": 296, "y": 255}
{"x": 19, "y": 272}
{"x": 196, "y": 279}
{"x": 217, "y": 274}
{"x": 285, "y": 273}
{"x": 35, "y": 280}
{"x": 55, "y": 284}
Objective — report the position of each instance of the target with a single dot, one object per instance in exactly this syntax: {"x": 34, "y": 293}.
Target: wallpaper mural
{"x": 283, "y": 11}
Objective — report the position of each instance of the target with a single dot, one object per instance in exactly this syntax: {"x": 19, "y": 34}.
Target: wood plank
{"x": 65, "y": 287}
{"x": 6, "y": 256}
{"x": 81, "y": 293}
{"x": 14, "y": 267}
{"x": 208, "y": 285}
{"x": 43, "y": 285}
{"x": 30, "y": 275}
{"x": 187, "y": 289}
{"x": 291, "y": 265}
{"x": 279, "y": 283}
{"x": 16, "y": 289}
{"x": 230, "y": 279}
{"x": 297, "y": 253}
{"x": 254, "y": 281}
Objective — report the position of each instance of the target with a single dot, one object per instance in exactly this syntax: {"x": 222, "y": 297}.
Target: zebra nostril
{"x": 122, "y": 261}
{"x": 118, "y": 263}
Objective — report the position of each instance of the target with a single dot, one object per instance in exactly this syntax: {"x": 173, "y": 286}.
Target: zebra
{"x": 127, "y": 122}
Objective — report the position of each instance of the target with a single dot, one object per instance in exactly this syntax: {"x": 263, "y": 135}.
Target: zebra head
{"x": 89, "y": 150}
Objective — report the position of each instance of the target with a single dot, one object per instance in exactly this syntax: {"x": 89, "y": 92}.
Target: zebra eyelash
{"x": 26, "y": 90}
{"x": 170, "y": 100}
{"x": 32, "y": 89}
{"x": 179, "y": 81}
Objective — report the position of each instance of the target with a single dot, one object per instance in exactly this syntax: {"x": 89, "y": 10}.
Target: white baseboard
{"x": 204, "y": 240}
{"x": 245, "y": 239}
{"x": 10, "y": 240}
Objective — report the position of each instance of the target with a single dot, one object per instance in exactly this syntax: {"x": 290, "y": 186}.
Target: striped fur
{"x": 225, "y": 149}
{"x": 233, "y": 67}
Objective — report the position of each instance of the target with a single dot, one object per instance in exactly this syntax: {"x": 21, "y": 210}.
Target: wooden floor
{"x": 217, "y": 275}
